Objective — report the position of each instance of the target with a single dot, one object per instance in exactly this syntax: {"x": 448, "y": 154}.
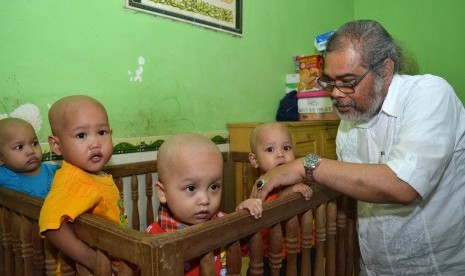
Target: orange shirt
{"x": 75, "y": 192}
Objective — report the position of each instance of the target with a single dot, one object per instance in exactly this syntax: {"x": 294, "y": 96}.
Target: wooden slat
{"x": 149, "y": 194}
{"x": 234, "y": 259}
{"x": 9, "y": 265}
{"x": 26, "y": 245}
{"x": 292, "y": 244}
{"x": 320, "y": 240}
{"x": 276, "y": 249}
{"x": 256, "y": 254}
{"x": 207, "y": 265}
{"x": 306, "y": 242}
{"x": 135, "y": 201}
{"x": 331, "y": 214}
{"x": 341, "y": 237}
{"x": 38, "y": 245}
{"x": 16, "y": 240}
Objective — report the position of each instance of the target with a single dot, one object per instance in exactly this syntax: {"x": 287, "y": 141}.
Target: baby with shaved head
{"x": 81, "y": 134}
{"x": 189, "y": 187}
{"x": 21, "y": 166}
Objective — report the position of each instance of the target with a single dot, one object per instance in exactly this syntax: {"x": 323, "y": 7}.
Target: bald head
{"x": 8, "y": 124}
{"x": 65, "y": 107}
{"x": 176, "y": 146}
{"x": 262, "y": 128}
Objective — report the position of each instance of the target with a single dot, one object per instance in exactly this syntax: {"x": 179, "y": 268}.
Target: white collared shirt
{"x": 421, "y": 131}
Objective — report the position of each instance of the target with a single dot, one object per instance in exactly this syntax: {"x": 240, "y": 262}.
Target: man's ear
{"x": 54, "y": 143}
{"x": 160, "y": 189}
{"x": 253, "y": 160}
{"x": 388, "y": 73}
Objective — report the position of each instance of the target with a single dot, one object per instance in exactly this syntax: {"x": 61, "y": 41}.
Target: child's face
{"x": 193, "y": 187}
{"x": 85, "y": 140}
{"x": 273, "y": 147}
{"x": 20, "y": 150}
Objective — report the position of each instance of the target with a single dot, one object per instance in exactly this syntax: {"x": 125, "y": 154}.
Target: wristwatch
{"x": 310, "y": 162}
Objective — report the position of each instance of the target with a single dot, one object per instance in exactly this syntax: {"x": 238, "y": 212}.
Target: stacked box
{"x": 311, "y": 67}
{"x": 315, "y": 105}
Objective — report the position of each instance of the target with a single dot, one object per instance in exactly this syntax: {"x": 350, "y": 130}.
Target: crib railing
{"x": 23, "y": 252}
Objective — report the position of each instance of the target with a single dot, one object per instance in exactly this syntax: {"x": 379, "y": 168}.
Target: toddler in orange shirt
{"x": 81, "y": 134}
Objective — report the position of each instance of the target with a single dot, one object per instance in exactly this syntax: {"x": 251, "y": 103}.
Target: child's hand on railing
{"x": 254, "y": 205}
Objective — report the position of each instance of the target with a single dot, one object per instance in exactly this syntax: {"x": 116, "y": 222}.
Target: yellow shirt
{"x": 75, "y": 192}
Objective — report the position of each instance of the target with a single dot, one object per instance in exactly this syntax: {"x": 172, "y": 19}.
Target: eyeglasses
{"x": 344, "y": 87}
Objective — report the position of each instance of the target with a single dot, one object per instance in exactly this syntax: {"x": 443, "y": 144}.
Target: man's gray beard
{"x": 376, "y": 103}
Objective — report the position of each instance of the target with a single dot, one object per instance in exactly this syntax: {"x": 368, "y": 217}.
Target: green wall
{"x": 431, "y": 31}
{"x": 194, "y": 79}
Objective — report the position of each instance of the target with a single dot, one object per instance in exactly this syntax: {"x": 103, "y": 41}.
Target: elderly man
{"x": 401, "y": 153}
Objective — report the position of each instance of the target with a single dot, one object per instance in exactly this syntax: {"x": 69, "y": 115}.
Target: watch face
{"x": 311, "y": 160}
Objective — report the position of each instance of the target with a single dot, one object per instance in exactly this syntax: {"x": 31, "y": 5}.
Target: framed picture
{"x": 221, "y": 15}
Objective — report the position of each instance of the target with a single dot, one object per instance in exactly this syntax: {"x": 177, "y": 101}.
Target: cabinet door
{"x": 306, "y": 140}
{"x": 329, "y": 142}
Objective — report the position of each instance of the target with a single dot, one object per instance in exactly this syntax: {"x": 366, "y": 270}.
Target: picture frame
{"x": 220, "y": 15}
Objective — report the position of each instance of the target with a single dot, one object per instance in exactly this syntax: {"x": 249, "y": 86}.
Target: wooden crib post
{"x": 275, "y": 250}
{"x": 331, "y": 213}
{"x": 15, "y": 230}
{"x": 245, "y": 181}
{"x": 26, "y": 245}
{"x": 234, "y": 259}
{"x": 306, "y": 242}
{"x": 119, "y": 184}
{"x": 341, "y": 236}
{"x": 351, "y": 237}
{"x": 292, "y": 241}
{"x": 149, "y": 194}
{"x": 38, "y": 250}
{"x": 320, "y": 239}
{"x": 256, "y": 254}
{"x": 207, "y": 265}
{"x": 9, "y": 264}
{"x": 135, "y": 199}
{"x": 51, "y": 255}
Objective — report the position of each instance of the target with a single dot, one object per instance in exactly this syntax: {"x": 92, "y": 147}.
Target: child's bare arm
{"x": 67, "y": 242}
{"x": 305, "y": 190}
{"x": 253, "y": 205}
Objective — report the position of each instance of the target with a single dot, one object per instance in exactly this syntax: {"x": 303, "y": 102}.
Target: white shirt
{"x": 421, "y": 130}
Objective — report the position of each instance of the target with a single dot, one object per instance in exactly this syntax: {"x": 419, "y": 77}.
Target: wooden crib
{"x": 23, "y": 252}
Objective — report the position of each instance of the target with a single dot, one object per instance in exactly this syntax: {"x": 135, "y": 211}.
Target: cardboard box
{"x": 311, "y": 67}
{"x": 321, "y": 40}
{"x": 315, "y": 105}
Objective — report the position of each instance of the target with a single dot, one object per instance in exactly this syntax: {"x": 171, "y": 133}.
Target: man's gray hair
{"x": 370, "y": 40}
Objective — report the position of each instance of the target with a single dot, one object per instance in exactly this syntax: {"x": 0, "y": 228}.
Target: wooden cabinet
{"x": 307, "y": 136}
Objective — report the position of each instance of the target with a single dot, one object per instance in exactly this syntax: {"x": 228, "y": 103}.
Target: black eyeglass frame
{"x": 329, "y": 85}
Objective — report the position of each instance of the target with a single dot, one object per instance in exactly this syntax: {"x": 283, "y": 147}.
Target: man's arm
{"x": 375, "y": 183}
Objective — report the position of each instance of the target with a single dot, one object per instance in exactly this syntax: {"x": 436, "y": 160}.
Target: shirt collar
{"x": 391, "y": 102}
